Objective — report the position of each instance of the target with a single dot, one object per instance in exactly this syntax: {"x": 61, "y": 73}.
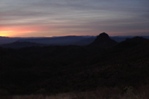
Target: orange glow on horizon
{"x": 25, "y": 31}
{"x": 16, "y": 31}
{"x": 7, "y": 33}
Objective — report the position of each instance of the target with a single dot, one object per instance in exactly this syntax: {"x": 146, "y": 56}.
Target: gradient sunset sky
{"x": 43, "y": 18}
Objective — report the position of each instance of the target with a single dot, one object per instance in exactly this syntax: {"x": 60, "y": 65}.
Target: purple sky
{"x": 42, "y": 18}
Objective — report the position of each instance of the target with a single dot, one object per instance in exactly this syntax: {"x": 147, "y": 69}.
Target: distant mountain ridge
{"x": 64, "y": 40}
{"x": 102, "y": 40}
{"x": 18, "y": 44}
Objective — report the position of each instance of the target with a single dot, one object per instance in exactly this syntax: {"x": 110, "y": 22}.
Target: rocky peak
{"x": 103, "y": 40}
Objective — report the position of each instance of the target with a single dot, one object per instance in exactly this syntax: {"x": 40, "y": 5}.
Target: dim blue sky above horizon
{"x": 43, "y": 18}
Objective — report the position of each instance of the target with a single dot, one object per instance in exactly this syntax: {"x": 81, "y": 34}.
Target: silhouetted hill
{"x": 103, "y": 40}
{"x": 130, "y": 42}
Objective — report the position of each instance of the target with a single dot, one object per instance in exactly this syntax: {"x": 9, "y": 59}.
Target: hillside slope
{"x": 59, "y": 69}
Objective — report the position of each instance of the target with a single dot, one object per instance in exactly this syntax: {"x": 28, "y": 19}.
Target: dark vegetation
{"x": 56, "y": 69}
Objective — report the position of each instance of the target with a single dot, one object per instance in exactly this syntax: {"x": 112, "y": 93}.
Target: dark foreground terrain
{"x": 60, "y": 69}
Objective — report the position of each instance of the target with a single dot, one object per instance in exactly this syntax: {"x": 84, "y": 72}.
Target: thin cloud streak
{"x": 79, "y": 17}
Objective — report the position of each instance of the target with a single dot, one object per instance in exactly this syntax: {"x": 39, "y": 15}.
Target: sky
{"x": 46, "y": 18}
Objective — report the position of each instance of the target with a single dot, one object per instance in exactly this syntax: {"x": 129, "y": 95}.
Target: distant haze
{"x": 63, "y": 40}
{"x": 46, "y": 18}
